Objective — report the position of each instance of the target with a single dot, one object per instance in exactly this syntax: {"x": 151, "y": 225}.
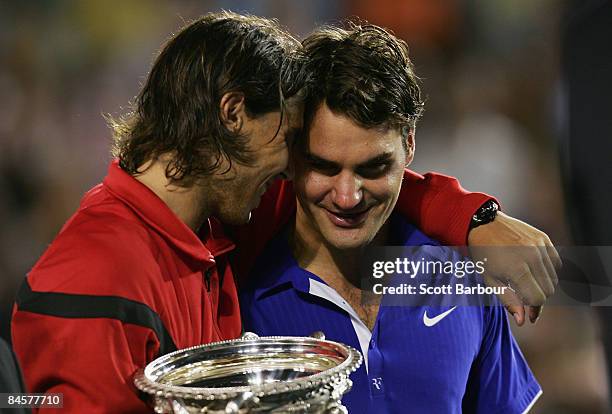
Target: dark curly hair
{"x": 362, "y": 71}
{"x": 177, "y": 111}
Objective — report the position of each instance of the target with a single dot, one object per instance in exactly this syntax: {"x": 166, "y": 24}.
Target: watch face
{"x": 485, "y": 214}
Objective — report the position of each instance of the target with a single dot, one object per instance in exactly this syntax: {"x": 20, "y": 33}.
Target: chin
{"x": 345, "y": 246}
{"x": 235, "y": 218}
{"x": 347, "y": 241}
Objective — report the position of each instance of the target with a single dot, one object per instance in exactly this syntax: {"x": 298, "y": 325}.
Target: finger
{"x": 539, "y": 272}
{"x": 550, "y": 269}
{"x": 552, "y": 252}
{"x": 555, "y": 259}
{"x": 535, "y": 312}
{"x": 526, "y": 287}
{"x": 554, "y": 256}
{"x": 517, "y": 312}
{"x": 510, "y": 300}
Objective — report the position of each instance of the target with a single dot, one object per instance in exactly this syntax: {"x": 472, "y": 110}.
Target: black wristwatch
{"x": 485, "y": 214}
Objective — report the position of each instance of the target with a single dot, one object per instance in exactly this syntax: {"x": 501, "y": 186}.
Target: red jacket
{"x": 126, "y": 281}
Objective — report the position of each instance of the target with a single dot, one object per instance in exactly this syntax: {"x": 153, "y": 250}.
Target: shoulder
{"x": 403, "y": 233}
{"x": 102, "y": 249}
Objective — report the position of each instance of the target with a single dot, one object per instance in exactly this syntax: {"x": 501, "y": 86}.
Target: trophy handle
{"x": 178, "y": 407}
{"x": 249, "y": 336}
{"x": 318, "y": 335}
{"x": 234, "y": 406}
{"x": 336, "y": 408}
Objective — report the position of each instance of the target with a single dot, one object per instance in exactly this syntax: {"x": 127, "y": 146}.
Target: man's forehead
{"x": 359, "y": 153}
{"x": 344, "y": 148}
{"x": 331, "y": 127}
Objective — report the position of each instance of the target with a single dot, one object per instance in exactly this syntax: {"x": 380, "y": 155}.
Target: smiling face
{"x": 347, "y": 180}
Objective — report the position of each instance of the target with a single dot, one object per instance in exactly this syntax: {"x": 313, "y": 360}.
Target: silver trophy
{"x": 279, "y": 374}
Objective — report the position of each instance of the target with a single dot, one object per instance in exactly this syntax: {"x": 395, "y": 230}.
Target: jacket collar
{"x": 157, "y": 215}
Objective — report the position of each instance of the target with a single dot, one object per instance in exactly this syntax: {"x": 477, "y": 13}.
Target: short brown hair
{"x": 177, "y": 110}
{"x": 361, "y": 71}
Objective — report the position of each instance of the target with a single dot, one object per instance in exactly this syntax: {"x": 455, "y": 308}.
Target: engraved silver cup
{"x": 252, "y": 375}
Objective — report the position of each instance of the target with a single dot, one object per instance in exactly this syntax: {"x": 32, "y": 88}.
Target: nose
{"x": 347, "y": 192}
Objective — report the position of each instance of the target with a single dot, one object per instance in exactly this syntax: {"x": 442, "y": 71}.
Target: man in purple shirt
{"x": 362, "y": 103}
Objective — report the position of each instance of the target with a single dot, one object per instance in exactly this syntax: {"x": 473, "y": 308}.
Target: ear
{"x": 410, "y": 146}
{"x": 232, "y": 111}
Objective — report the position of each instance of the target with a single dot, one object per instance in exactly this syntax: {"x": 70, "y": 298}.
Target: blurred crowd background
{"x": 490, "y": 74}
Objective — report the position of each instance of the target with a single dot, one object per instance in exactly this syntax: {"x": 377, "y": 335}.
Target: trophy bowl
{"x": 279, "y": 374}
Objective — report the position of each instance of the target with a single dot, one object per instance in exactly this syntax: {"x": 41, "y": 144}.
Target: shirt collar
{"x": 157, "y": 215}
{"x": 277, "y": 267}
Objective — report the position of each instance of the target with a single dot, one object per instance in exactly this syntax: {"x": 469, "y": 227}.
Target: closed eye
{"x": 321, "y": 165}
{"x": 374, "y": 171}
{"x": 376, "y": 167}
{"x": 326, "y": 168}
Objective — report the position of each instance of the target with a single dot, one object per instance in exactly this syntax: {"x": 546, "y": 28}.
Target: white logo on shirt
{"x": 429, "y": 322}
{"x": 377, "y": 382}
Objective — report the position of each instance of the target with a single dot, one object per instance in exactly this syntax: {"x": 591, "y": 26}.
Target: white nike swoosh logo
{"x": 429, "y": 322}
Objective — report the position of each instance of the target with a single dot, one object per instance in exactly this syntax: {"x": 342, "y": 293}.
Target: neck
{"x": 186, "y": 202}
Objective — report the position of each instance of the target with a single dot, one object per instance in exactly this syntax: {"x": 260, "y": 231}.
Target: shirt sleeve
{"x": 439, "y": 206}
{"x": 500, "y": 381}
{"x": 436, "y": 203}
{"x": 85, "y": 320}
